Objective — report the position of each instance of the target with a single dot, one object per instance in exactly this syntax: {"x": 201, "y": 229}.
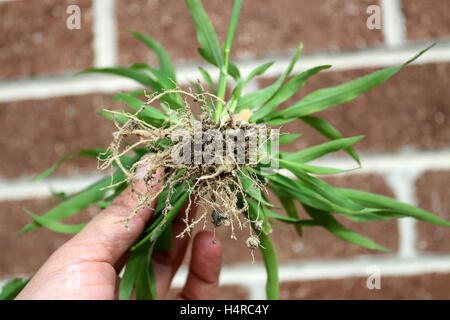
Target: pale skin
{"x": 87, "y": 266}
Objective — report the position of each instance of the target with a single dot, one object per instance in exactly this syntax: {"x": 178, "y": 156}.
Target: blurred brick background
{"x": 46, "y": 114}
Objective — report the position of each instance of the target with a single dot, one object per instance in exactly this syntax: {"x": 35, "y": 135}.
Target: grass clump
{"x": 232, "y": 192}
{"x": 208, "y": 160}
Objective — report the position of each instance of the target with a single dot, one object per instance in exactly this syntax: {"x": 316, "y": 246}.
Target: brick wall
{"x": 47, "y": 113}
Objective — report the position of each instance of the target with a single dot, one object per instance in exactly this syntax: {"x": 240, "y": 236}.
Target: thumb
{"x": 106, "y": 238}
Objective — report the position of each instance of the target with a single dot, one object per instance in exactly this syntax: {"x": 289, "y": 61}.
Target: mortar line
{"x": 394, "y": 24}
{"x": 402, "y": 184}
{"x": 251, "y": 86}
{"x": 22, "y": 188}
{"x": 418, "y": 160}
{"x": 256, "y": 290}
{"x": 105, "y": 33}
{"x": 66, "y": 84}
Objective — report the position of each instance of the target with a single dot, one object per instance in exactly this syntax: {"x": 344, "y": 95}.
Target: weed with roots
{"x": 214, "y": 184}
{"x": 231, "y": 192}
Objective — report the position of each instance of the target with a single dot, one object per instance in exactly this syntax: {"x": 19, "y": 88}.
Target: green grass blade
{"x": 286, "y": 138}
{"x": 314, "y": 195}
{"x": 206, "y": 34}
{"x": 392, "y": 205}
{"x": 375, "y": 216}
{"x": 221, "y": 87}
{"x": 322, "y": 188}
{"x": 311, "y": 169}
{"x": 118, "y": 115}
{"x": 288, "y": 205}
{"x": 327, "y": 221}
{"x": 209, "y": 105}
{"x": 320, "y": 150}
{"x": 145, "y": 279}
{"x": 327, "y": 130}
{"x": 165, "y": 63}
{"x": 83, "y": 199}
{"x": 136, "y": 104}
{"x": 153, "y": 232}
{"x": 236, "y": 94}
{"x": 164, "y": 241}
{"x": 324, "y": 98}
{"x": 207, "y": 78}
{"x": 134, "y": 93}
{"x": 160, "y": 85}
{"x": 131, "y": 271}
{"x": 257, "y": 72}
{"x": 301, "y": 193}
{"x": 279, "y": 121}
{"x": 256, "y": 212}
{"x": 275, "y": 215}
{"x": 286, "y": 91}
{"x": 55, "y": 225}
{"x": 88, "y": 153}
{"x": 250, "y": 189}
{"x": 103, "y": 204}
{"x": 295, "y": 221}
{"x": 134, "y": 74}
{"x": 12, "y": 288}
{"x": 75, "y": 204}
{"x": 270, "y": 262}
{"x": 257, "y": 98}
{"x": 233, "y": 71}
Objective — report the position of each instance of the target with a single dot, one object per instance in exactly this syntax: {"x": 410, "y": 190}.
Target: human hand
{"x": 87, "y": 266}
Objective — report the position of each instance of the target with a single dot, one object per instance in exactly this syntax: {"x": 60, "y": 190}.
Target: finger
{"x": 204, "y": 269}
{"x": 166, "y": 263}
{"x": 106, "y": 238}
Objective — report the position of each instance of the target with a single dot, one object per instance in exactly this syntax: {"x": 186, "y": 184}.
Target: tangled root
{"x": 213, "y": 185}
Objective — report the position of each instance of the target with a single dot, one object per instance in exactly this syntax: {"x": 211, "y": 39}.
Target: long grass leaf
{"x": 257, "y": 98}
{"x": 327, "y": 130}
{"x": 55, "y": 225}
{"x": 285, "y": 92}
{"x": 324, "y": 98}
{"x": 327, "y": 221}
{"x": 206, "y": 34}
{"x": 318, "y": 151}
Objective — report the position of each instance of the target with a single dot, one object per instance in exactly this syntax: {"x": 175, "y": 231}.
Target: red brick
{"x": 421, "y": 287}
{"x": 24, "y": 254}
{"x": 409, "y": 110}
{"x": 34, "y": 38}
{"x": 42, "y": 131}
{"x": 433, "y": 195}
{"x": 426, "y": 20}
{"x": 264, "y": 27}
